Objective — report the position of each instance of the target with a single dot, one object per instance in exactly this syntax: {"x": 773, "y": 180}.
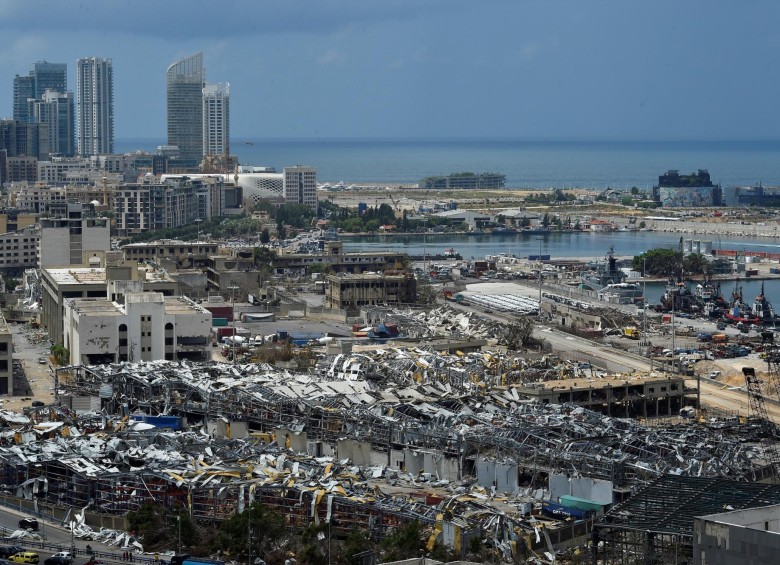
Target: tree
{"x": 546, "y": 220}
{"x": 426, "y": 295}
{"x": 634, "y": 190}
{"x": 404, "y": 543}
{"x": 267, "y": 526}
{"x": 696, "y": 264}
{"x": 659, "y": 261}
{"x": 265, "y": 236}
{"x": 518, "y": 334}
{"x": 61, "y": 354}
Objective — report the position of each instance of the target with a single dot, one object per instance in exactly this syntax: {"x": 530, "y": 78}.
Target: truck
{"x": 719, "y": 338}
{"x": 631, "y": 333}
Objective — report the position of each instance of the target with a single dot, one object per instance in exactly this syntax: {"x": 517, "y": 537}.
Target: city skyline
{"x": 442, "y": 69}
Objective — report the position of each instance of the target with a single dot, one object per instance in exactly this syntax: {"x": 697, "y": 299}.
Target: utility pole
{"x": 233, "y": 288}
{"x": 178, "y": 520}
{"x": 249, "y": 532}
{"x": 540, "y": 238}
{"x": 644, "y": 301}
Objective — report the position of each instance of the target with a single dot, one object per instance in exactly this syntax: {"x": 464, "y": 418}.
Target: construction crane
{"x": 396, "y": 205}
{"x": 757, "y": 410}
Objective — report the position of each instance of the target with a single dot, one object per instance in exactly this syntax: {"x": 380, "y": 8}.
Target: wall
{"x": 596, "y": 490}
{"x": 503, "y": 475}
{"x": 737, "y": 538}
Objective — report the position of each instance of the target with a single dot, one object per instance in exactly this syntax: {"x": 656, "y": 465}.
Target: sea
{"x": 527, "y": 164}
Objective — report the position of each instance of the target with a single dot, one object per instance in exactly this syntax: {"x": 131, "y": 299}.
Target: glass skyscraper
{"x": 185, "y": 81}
{"x": 43, "y": 76}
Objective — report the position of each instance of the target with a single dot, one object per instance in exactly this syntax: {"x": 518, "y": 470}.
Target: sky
{"x": 428, "y": 69}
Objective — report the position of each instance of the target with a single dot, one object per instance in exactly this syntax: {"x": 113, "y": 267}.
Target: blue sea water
{"x": 526, "y": 164}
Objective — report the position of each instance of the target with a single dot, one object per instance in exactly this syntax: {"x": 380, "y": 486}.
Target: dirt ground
{"x": 30, "y": 346}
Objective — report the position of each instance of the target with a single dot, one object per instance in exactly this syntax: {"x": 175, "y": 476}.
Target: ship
{"x": 678, "y": 296}
{"x": 504, "y": 230}
{"x": 763, "y": 311}
{"x": 602, "y": 274}
{"x": 622, "y": 293}
{"x": 535, "y": 231}
{"x": 738, "y": 311}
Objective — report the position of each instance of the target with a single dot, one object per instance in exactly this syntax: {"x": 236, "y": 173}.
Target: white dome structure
{"x": 256, "y": 186}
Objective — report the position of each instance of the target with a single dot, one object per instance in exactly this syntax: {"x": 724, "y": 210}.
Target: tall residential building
{"x": 185, "y": 81}
{"x": 43, "y": 76}
{"x": 95, "y": 104}
{"x": 300, "y": 185}
{"x": 216, "y": 119}
{"x": 56, "y": 110}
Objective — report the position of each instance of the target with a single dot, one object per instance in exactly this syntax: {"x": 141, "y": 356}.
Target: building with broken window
{"x": 147, "y": 326}
{"x": 59, "y": 284}
{"x": 352, "y": 292}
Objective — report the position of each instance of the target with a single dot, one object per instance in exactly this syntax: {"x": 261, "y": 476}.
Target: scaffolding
{"x": 656, "y": 525}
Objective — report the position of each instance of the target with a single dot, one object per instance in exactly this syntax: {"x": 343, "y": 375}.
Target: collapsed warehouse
{"x": 374, "y": 440}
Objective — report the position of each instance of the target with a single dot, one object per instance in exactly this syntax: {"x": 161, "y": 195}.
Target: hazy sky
{"x": 531, "y": 69}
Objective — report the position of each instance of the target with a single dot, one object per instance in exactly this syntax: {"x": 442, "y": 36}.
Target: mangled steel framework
{"x": 335, "y": 443}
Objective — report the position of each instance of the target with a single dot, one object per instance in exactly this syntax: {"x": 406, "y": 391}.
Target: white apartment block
{"x": 300, "y": 185}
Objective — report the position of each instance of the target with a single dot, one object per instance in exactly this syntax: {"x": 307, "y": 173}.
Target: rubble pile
{"x": 376, "y": 439}
{"x": 444, "y": 322}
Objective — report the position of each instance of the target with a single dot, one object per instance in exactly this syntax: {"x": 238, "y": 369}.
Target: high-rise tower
{"x": 43, "y": 76}
{"x": 185, "y": 81}
{"x": 55, "y": 109}
{"x": 216, "y": 119}
{"x": 95, "y": 107}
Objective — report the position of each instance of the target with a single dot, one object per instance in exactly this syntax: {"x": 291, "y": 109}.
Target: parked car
{"x": 58, "y": 560}
{"x": 28, "y": 524}
{"x": 25, "y": 557}
{"x": 7, "y": 551}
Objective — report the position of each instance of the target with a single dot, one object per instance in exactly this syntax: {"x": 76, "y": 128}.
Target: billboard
{"x": 686, "y": 196}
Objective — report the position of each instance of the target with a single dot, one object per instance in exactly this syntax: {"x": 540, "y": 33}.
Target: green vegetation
{"x": 61, "y": 354}
{"x": 556, "y": 196}
{"x": 670, "y": 262}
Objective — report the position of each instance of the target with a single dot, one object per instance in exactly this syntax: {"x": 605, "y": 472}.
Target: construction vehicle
{"x": 631, "y": 333}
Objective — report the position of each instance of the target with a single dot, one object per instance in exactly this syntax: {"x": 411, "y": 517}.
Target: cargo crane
{"x": 757, "y": 410}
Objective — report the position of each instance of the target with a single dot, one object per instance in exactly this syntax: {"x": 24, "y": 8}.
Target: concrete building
{"x": 95, "y": 106}
{"x": 185, "y": 81}
{"x": 300, "y": 186}
{"x": 351, "y": 292}
{"x": 14, "y": 220}
{"x": 695, "y": 190}
{"x": 738, "y": 537}
{"x": 180, "y": 253}
{"x": 21, "y": 169}
{"x": 18, "y": 250}
{"x": 72, "y": 231}
{"x": 145, "y": 326}
{"x": 333, "y": 256}
{"x": 253, "y": 186}
{"x": 57, "y": 285}
{"x": 619, "y": 396}
{"x": 175, "y": 202}
{"x": 216, "y": 119}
